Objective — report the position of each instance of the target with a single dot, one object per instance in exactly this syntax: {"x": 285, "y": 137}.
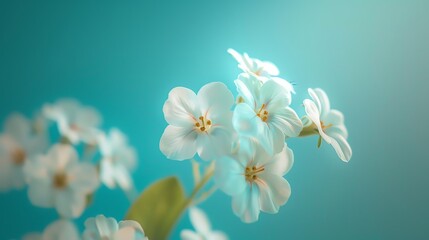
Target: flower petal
{"x": 287, "y": 121}
{"x": 61, "y": 230}
{"x": 69, "y": 204}
{"x": 276, "y": 192}
{"x": 246, "y": 205}
{"x": 87, "y": 117}
{"x": 199, "y": 220}
{"x": 270, "y": 68}
{"x": 41, "y": 193}
{"x": 83, "y": 178}
{"x": 248, "y": 125}
{"x": 245, "y": 121}
{"x": 248, "y": 88}
{"x": 284, "y": 83}
{"x": 180, "y": 109}
{"x": 217, "y": 235}
{"x": 229, "y": 175}
{"x": 314, "y": 114}
{"x": 178, "y": 143}
{"x": 187, "y": 234}
{"x": 281, "y": 163}
{"x": 214, "y": 100}
{"x": 274, "y": 96}
{"x": 342, "y": 147}
{"x": 61, "y": 156}
{"x": 316, "y": 99}
{"x": 18, "y": 126}
{"x": 325, "y": 106}
{"x": 214, "y": 144}
{"x": 336, "y": 118}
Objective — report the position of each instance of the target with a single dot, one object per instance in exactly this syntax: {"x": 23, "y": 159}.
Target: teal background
{"x": 123, "y": 57}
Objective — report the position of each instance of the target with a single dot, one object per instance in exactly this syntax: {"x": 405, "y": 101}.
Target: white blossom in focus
{"x": 264, "y": 114}
{"x": 254, "y": 179}
{"x": 329, "y": 123}
{"x": 199, "y": 123}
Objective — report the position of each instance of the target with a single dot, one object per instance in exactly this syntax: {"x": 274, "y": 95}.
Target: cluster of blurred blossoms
{"x": 245, "y": 137}
{"x": 65, "y": 174}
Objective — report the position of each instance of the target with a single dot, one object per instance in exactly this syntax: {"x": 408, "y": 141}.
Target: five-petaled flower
{"x": 327, "y": 122}
{"x": 59, "y": 180}
{"x": 75, "y": 122}
{"x": 255, "y": 180}
{"x": 264, "y": 114}
{"x": 102, "y": 228}
{"x": 22, "y": 139}
{"x": 203, "y": 229}
{"x": 199, "y": 123}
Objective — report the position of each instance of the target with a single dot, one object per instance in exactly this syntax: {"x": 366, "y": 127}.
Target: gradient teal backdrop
{"x": 123, "y": 57}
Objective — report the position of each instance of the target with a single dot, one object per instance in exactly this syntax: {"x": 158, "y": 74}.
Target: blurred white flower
{"x": 102, "y": 228}
{"x": 22, "y": 139}
{"x": 255, "y": 180}
{"x": 264, "y": 114}
{"x": 59, "y": 230}
{"x": 59, "y": 180}
{"x": 75, "y": 122}
{"x": 203, "y": 229}
{"x": 118, "y": 159}
{"x": 198, "y": 122}
{"x": 328, "y": 123}
{"x": 262, "y": 70}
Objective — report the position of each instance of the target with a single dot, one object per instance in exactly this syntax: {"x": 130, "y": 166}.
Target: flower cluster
{"x": 246, "y": 138}
{"x": 66, "y": 173}
{"x": 243, "y": 138}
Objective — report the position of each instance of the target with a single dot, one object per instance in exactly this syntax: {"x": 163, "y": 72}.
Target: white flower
{"x": 202, "y": 226}
{"x": 102, "y": 228}
{"x": 118, "y": 159}
{"x": 59, "y": 230}
{"x": 75, "y": 122}
{"x": 59, "y": 180}
{"x": 255, "y": 180}
{"x": 262, "y": 70}
{"x": 329, "y": 123}
{"x": 265, "y": 114}
{"x": 198, "y": 122}
{"x": 22, "y": 138}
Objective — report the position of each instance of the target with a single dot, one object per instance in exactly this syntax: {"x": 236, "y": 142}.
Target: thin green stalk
{"x": 172, "y": 218}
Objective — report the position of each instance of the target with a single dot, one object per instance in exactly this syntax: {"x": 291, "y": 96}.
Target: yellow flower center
{"x": 203, "y": 124}
{"x": 18, "y": 156}
{"x": 324, "y": 127}
{"x": 251, "y": 173}
{"x": 262, "y": 113}
{"x": 60, "y": 180}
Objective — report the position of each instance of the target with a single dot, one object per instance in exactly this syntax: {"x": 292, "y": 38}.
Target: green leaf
{"x": 319, "y": 142}
{"x": 159, "y": 207}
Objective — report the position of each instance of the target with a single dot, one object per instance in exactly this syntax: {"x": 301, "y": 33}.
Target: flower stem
{"x": 207, "y": 176}
{"x": 309, "y": 131}
{"x": 188, "y": 201}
